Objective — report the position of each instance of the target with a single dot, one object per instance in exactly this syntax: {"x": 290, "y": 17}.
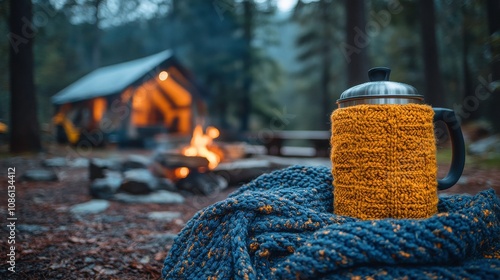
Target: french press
{"x": 383, "y": 151}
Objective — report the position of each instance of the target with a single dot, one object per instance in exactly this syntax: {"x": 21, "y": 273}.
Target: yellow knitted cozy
{"x": 384, "y": 161}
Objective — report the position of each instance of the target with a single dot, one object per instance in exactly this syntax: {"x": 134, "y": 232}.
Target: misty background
{"x": 271, "y": 59}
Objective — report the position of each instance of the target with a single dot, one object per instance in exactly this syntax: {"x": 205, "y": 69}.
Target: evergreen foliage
{"x": 238, "y": 50}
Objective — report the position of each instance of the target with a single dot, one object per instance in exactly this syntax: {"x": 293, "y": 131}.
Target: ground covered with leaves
{"x": 122, "y": 242}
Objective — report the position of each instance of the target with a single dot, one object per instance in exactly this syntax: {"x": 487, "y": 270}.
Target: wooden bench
{"x": 320, "y": 140}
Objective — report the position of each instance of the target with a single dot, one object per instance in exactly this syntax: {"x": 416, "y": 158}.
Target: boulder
{"x": 202, "y": 183}
{"x": 79, "y": 162}
{"x": 32, "y": 228}
{"x": 485, "y": 146}
{"x": 40, "y": 175}
{"x": 164, "y": 238}
{"x": 166, "y": 184}
{"x": 54, "y": 162}
{"x": 105, "y": 188}
{"x": 160, "y": 197}
{"x": 97, "y": 167}
{"x": 90, "y": 207}
{"x": 136, "y": 162}
{"x": 166, "y": 216}
{"x": 138, "y": 181}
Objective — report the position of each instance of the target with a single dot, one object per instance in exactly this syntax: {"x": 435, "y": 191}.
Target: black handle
{"x": 457, "y": 147}
{"x": 379, "y": 74}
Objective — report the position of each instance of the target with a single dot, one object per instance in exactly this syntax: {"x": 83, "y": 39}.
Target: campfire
{"x": 190, "y": 166}
{"x": 201, "y": 155}
{"x": 204, "y": 166}
{"x": 199, "y": 166}
{"x": 201, "y": 145}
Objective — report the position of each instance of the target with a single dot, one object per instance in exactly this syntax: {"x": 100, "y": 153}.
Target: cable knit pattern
{"x": 282, "y": 226}
{"x": 384, "y": 161}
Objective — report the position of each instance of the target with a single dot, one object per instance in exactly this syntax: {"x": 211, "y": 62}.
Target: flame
{"x": 212, "y": 132}
{"x": 200, "y": 143}
{"x": 181, "y": 172}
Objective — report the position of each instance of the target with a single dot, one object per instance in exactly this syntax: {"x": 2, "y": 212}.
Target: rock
{"x": 136, "y": 162}
{"x": 486, "y": 145}
{"x": 166, "y": 184}
{"x": 138, "y": 181}
{"x": 109, "y": 219}
{"x": 105, "y": 188}
{"x": 32, "y": 228}
{"x": 166, "y": 216}
{"x": 202, "y": 183}
{"x": 62, "y": 228}
{"x": 160, "y": 197}
{"x": 463, "y": 180}
{"x": 158, "y": 170}
{"x": 79, "y": 163}
{"x": 40, "y": 175}
{"x": 164, "y": 237}
{"x": 90, "y": 207}
{"x": 54, "y": 162}
{"x": 144, "y": 260}
{"x": 96, "y": 169}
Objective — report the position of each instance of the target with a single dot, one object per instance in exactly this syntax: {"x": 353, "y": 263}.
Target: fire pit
{"x": 200, "y": 167}
{"x": 199, "y": 156}
{"x": 189, "y": 167}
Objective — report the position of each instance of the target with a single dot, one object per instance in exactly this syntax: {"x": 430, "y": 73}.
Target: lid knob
{"x": 379, "y": 74}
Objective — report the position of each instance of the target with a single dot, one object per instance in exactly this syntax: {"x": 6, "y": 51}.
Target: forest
{"x": 177, "y": 139}
{"x": 258, "y": 61}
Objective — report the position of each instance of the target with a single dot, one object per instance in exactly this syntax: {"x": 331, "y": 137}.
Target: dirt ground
{"x": 120, "y": 243}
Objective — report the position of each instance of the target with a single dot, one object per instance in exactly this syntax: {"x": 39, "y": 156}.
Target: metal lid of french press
{"x": 380, "y": 91}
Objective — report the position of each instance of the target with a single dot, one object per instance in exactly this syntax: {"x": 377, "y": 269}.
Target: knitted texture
{"x": 282, "y": 226}
{"x": 384, "y": 161}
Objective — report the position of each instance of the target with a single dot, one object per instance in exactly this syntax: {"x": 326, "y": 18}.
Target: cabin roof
{"x": 114, "y": 79}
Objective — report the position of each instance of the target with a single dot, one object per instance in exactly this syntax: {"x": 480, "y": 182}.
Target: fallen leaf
{"x": 160, "y": 256}
{"x": 136, "y": 265}
{"x": 75, "y": 239}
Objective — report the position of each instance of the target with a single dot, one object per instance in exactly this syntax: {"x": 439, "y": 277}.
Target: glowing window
{"x": 163, "y": 75}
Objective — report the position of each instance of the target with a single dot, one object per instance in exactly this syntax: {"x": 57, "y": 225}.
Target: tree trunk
{"x": 494, "y": 27}
{"x": 96, "y": 45}
{"x": 434, "y": 93}
{"x": 468, "y": 84}
{"x": 246, "y": 106}
{"x": 493, "y": 7}
{"x": 24, "y": 129}
{"x": 357, "y": 68}
{"x": 173, "y": 32}
{"x": 326, "y": 57}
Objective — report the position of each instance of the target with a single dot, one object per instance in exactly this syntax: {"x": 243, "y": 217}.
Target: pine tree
{"x": 24, "y": 129}
{"x": 434, "y": 93}
{"x": 321, "y": 24}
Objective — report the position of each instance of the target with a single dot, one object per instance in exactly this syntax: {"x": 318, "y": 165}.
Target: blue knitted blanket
{"x": 281, "y": 226}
